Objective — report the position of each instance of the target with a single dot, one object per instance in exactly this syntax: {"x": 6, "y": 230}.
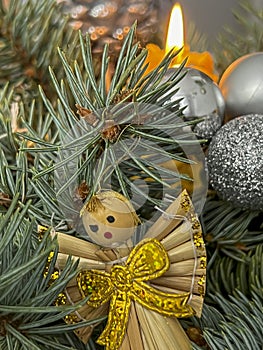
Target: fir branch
{"x": 197, "y": 41}
{"x": 9, "y": 113}
{"x": 26, "y": 301}
{"x": 227, "y": 229}
{"x": 242, "y": 324}
{"x": 85, "y": 136}
{"x": 230, "y": 324}
{"x": 232, "y": 235}
{"x": 232, "y": 44}
{"x": 27, "y": 44}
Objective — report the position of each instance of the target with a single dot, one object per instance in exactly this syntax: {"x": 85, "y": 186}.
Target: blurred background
{"x": 209, "y": 16}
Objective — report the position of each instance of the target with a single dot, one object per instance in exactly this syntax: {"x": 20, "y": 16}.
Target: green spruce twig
{"x": 86, "y": 114}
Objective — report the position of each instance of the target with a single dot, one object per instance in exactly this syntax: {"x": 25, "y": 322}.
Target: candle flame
{"x": 202, "y": 61}
{"x": 175, "y": 34}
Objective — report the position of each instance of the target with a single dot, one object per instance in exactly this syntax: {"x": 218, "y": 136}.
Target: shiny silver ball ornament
{"x": 242, "y": 86}
{"x": 201, "y": 98}
{"x": 235, "y": 162}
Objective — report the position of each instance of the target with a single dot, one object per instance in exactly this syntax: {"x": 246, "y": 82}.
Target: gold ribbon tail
{"x": 164, "y": 303}
{"x": 114, "y": 332}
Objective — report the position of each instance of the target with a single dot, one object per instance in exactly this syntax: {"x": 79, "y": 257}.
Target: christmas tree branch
{"x": 232, "y": 44}
{"x": 27, "y": 44}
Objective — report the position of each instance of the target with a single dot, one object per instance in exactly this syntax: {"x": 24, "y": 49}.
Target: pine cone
{"x": 109, "y": 21}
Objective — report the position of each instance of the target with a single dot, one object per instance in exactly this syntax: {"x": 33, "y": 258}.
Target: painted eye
{"x": 110, "y": 218}
{"x": 94, "y": 228}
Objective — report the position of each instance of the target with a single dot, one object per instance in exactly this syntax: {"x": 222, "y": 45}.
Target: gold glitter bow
{"x": 147, "y": 261}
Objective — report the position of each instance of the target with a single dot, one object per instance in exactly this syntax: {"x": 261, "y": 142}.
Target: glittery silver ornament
{"x": 242, "y": 86}
{"x": 201, "y": 98}
{"x": 235, "y": 162}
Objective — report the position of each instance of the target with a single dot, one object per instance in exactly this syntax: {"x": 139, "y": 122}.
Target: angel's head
{"x": 109, "y": 218}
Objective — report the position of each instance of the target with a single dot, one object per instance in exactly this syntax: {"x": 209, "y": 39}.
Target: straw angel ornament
{"x": 142, "y": 289}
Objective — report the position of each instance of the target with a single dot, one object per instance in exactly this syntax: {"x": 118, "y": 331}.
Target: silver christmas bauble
{"x": 201, "y": 98}
{"x": 235, "y": 162}
{"x": 242, "y": 86}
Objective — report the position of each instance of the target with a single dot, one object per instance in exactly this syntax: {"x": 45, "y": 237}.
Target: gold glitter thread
{"x": 147, "y": 261}
{"x": 62, "y": 297}
{"x": 203, "y": 262}
{"x": 197, "y": 240}
{"x": 201, "y": 286}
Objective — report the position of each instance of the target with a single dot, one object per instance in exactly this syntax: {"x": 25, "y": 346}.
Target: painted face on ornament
{"x": 109, "y": 219}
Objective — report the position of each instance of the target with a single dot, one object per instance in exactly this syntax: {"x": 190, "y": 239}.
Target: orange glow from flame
{"x": 202, "y": 61}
